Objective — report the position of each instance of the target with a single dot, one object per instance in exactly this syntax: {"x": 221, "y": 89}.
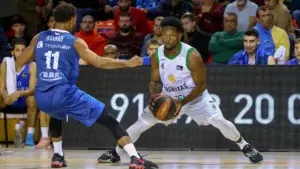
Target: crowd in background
{"x": 124, "y": 28}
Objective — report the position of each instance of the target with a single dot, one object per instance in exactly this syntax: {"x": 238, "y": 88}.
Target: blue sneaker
{"x": 29, "y": 140}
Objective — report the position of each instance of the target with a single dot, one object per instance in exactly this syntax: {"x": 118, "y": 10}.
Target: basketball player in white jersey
{"x": 181, "y": 70}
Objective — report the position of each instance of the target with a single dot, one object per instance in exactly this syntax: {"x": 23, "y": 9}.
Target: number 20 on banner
{"x": 239, "y": 119}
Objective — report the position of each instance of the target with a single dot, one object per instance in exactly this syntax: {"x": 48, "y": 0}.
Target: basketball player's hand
{"x": 135, "y": 61}
{"x": 152, "y": 99}
{"x": 178, "y": 108}
{"x": 13, "y": 97}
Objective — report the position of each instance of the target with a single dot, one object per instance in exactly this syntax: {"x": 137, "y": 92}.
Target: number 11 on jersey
{"x": 49, "y": 56}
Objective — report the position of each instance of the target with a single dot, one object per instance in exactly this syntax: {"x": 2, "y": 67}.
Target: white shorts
{"x": 200, "y": 110}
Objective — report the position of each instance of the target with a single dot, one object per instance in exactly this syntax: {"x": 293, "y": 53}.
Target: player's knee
{"x": 30, "y": 102}
{"x": 55, "y": 127}
{"x": 218, "y": 121}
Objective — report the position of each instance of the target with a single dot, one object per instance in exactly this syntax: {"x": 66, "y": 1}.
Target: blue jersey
{"x": 23, "y": 78}
{"x": 57, "y": 65}
{"x": 56, "y": 59}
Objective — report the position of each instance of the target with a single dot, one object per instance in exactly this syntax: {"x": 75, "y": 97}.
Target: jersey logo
{"x": 179, "y": 67}
{"x": 23, "y": 74}
{"x": 172, "y": 78}
{"x": 162, "y": 66}
{"x": 40, "y": 44}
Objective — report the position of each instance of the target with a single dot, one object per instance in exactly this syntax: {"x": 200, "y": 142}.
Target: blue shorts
{"x": 20, "y": 103}
{"x": 63, "y": 100}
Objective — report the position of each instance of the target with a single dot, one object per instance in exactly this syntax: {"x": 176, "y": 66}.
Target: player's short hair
{"x": 64, "y": 12}
{"x": 297, "y": 41}
{"x": 17, "y": 41}
{"x": 252, "y": 32}
{"x": 172, "y": 22}
{"x": 189, "y": 16}
{"x": 153, "y": 42}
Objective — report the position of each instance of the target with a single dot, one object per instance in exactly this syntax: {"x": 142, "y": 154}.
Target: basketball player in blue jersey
{"x": 57, "y": 53}
{"x": 21, "y": 96}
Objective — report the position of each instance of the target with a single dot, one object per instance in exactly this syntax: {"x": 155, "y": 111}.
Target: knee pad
{"x": 55, "y": 127}
{"x": 109, "y": 122}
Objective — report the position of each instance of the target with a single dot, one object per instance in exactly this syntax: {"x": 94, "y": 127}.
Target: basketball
{"x": 164, "y": 108}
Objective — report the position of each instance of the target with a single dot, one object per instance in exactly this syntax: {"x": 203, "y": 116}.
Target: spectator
{"x": 296, "y": 11}
{"x": 139, "y": 19}
{"x": 296, "y": 60}
{"x": 271, "y": 37}
{"x": 223, "y": 45}
{"x": 4, "y": 45}
{"x": 127, "y": 40}
{"x": 210, "y": 17}
{"x": 196, "y": 38}
{"x": 152, "y": 45}
{"x": 246, "y": 11}
{"x": 252, "y": 54}
{"x": 111, "y": 51}
{"x": 281, "y": 16}
{"x": 34, "y": 13}
{"x": 18, "y": 26}
{"x": 88, "y": 7}
{"x": 18, "y": 96}
{"x": 94, "y": 41}
{"x": 171, "y": 8}
{"x": 50, "y": 22}
{"x": 157, "y": 34}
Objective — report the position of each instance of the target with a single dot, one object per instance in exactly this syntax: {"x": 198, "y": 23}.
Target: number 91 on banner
{"x": 250, "y": 109}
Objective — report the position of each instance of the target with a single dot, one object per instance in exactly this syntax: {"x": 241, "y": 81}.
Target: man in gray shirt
{"x": 246, "y": 11}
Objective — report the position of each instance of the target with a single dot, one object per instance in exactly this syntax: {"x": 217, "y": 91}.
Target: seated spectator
{"x": 127, "y": 40}
{"x": 111, "y": 51}
{"x": 252, "y": 54}
{"x": 296, "y": 60}
{"x": 152, "y": 45}
{"x": 139, "y": 19}
{"x": 157, "y": 34}
{"x": 223, "y": 45}
{"x": 246, "y": 11}
{"x": 281, "y": 16}
{"x": 296, "y": 12}
{"x": 171, "y": 8}
{"x": 210, "y": 17}
{"x": 18, "y": 26}
{"x": 271, "y": 37}
{"x": 196, "y": 38}
{"x": 17, "y": 91}
{"x": 4, "y": 45}
{"x": 94, "y": 41}
{"x": 50, "y": 22}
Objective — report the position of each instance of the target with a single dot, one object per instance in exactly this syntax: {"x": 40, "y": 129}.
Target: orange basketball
{"x": 164, "y": 108}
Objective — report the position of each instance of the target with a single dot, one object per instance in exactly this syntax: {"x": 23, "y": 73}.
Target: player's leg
{"x": 145, "y": 121}
{"x": 58, "y": 159}
{"x": 122, "y": 138}
{"x": 207, "y": 112}
{"x": 44, "y": 123}
{"x": 31, "y": 119}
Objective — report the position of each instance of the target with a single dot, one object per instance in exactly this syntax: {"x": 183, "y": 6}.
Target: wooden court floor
{"x": 81, "y": 159}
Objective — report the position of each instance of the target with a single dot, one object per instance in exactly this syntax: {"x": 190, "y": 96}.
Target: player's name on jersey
{"x": 55, "y": 38}
{"x": 176, "y": 88}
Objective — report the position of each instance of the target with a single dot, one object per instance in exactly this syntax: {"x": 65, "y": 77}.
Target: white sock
{"x": 131, "y": 151}
{"x": 30, "y": 130}
{"x": 242, "y": 143}
{"x": 58, "y": 148}
{"x": 119, "y": 150}
{"x": 45, "y": 131}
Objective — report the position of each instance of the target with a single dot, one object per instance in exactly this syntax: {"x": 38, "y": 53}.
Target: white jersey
{"x": 174, "y": 73}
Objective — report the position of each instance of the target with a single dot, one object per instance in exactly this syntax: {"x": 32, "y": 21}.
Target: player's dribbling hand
{"x": 152, "y": 99}
{"x": 178, "y": 108}
{"x": 135, "y": 61}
